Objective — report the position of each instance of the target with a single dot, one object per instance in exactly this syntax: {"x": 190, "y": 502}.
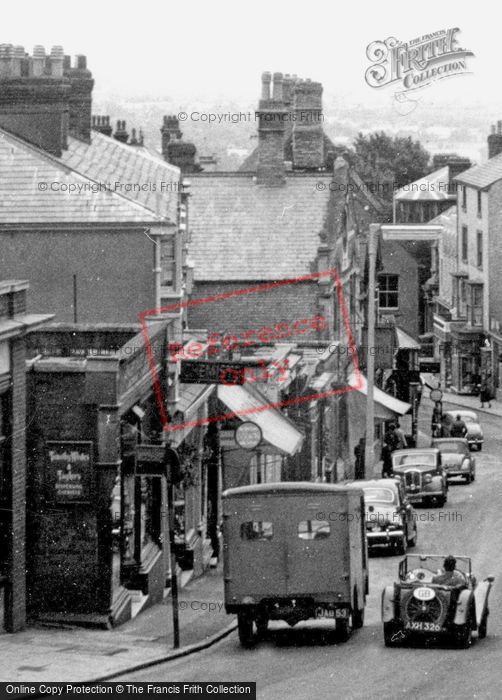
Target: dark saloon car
{"x": 390, "y": 518}
{"x": 422, "y": 473}
{"x": 456, "y": 458}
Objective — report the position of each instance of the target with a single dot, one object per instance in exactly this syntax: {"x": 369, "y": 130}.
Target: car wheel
{"x": 262, "y": 625}
{"x": 343, "y": 629}
{"x": 391, "y": 635}
{"x": 413, "y": 541}
{"x": 463, "y": 634}
{"x": 480, "y": 447}
{"x": 441, "y": 501}
{"x": 400, "y": 545}
{"x": 468, "y": 478}
{"x": 245, "y": 628}
{"x": 357, "y": 615}
{"x": 483, "y": 625}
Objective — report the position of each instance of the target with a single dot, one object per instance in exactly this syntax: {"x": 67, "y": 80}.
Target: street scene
{"x": 250, "y": 353}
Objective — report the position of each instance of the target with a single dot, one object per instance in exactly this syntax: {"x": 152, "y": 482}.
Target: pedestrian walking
{"x": 386, "y": 461}
{"x": 485, "y": 395}
{"x": 446, "y": 424}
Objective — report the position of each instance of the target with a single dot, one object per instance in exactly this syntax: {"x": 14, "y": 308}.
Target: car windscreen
{"x": 422, "y": 459}
{"x": 451, "y": 447}
{"x": 379, "y": 495}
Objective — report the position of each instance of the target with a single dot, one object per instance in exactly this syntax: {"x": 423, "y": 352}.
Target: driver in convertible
{"x": 450, "y": 577}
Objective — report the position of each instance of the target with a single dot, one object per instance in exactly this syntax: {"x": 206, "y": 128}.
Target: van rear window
{"x": 313, "y": 529}
{"x": 257, "y": 530}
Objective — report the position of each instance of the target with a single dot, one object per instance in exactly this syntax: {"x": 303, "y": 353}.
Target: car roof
{"x": 416, "y": 450}
{"x": 380, "y": 483}
{"x": 471, "y": 414}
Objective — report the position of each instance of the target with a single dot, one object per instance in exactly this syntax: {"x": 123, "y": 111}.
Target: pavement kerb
{"x": 175, "y": 654}
{"x": 452, "y": 399}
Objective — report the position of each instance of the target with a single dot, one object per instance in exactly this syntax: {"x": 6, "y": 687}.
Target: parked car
{"x": 423, "y": 475}
{"x": 456, "y": 457}
{"x": 294, "y": 551}
{"x": 474, "y": 434}
{"x": 390, "y": 518}
{"x": 415, "y": 606}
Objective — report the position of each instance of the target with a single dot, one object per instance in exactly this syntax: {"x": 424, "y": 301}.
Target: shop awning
{"x": 405, "y": 341}
{"x": 386, "y": 406}
{"x": 249, "y": 405}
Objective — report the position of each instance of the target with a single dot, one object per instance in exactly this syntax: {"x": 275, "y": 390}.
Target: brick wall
{"x": 115, "y": 281}
{"x": 253, "y": 311}
{"x": 396, "y": 260}
{"x": 63, "y": 568}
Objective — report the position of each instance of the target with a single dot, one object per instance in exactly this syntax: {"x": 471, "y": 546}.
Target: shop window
{"x": 313, "y": 529}
{"x": 475, "y": 307}
{"x": 479, "y": 249}
{"x": 388, "y": 291}
{"x": 464, "y": 243}
{"x": 479, "y": 203}
{"x": 257, "y": 530}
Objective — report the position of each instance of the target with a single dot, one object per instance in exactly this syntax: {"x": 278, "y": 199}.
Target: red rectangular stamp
{"x": 198, "y": 363}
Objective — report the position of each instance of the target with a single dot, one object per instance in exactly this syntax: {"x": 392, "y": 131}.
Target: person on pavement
{"x": 459, "y": 428}
{"x": 485, "y": 395}
{"x": 450, "y": 577}
{"x": 400, "y": 437}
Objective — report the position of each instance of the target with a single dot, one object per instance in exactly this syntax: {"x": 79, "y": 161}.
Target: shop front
{"x": 466, "y": 362}
{"x": 97, "y": 531}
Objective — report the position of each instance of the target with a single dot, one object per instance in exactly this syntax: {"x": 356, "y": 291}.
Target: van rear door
{"x": 254, "y": 534}
{"x": 317, "y": 546}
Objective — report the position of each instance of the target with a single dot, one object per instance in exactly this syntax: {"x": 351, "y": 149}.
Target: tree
{"x": 388, "y": 163}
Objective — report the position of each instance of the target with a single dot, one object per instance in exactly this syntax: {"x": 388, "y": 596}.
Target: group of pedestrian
{"x": 452, "y": 428}
{"x": 394, "y": 439}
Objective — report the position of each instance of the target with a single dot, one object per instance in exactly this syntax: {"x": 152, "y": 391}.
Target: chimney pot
{"x": 56, "y": 61}
{"x": 265, "y": 85}
{"x": 67, "y": 62}
{"x": 499, "y": 127}
{"x": 277, "y": 93}
{"x": 81, "y": 62}
{"x": 37, "y": 63}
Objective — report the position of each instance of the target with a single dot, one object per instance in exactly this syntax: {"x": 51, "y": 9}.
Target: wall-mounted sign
{"x": 431, "y": 367}
{"x": 216, "y": 372}
{"x": 248, "y": 435}
{"x": 70, "y": 471}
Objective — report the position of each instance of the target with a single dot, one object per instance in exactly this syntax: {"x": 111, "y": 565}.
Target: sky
{"x": 209, "y": 49}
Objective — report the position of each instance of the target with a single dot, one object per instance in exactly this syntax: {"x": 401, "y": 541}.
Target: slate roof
{"x": 23, "y": 167}
{"x": 107, "y": 160}
{"x": 482, "y": 176}
{"x": 430, "y": 188}
{"x": 243, "y": 231}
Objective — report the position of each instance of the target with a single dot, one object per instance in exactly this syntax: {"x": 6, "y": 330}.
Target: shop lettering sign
{"x": 70, "y": 471}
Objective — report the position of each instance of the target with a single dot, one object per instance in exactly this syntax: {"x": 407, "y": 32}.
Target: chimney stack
{"x": 102, "y": 124}
{"x": 121, "y": 132}
{"x": 34, "y": 96}
{"x": 272, "y": 113}
{"x": 495, "y": 140}
{"x": 170, "y": 131}
{"x": 308, "y": 133}
{"x": 80, "y": 97}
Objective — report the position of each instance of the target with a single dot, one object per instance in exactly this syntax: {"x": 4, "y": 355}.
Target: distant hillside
{"x": 462, "y": 130}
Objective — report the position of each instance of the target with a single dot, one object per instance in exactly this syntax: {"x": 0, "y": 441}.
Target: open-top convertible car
{"x": 423, "y": 475}
{"x": 456, "y": 458}
{"x": 431, "y": 601}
